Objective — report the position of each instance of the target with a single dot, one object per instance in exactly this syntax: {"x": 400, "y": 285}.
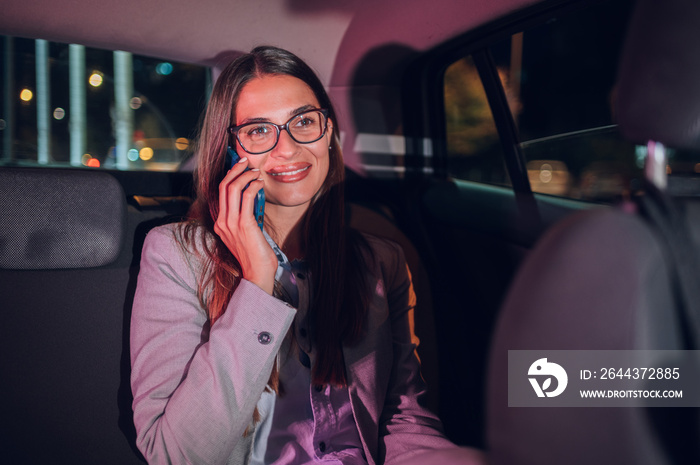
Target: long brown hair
{"x": 335, "y": 254}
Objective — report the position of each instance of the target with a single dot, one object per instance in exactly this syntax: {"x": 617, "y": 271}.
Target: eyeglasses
{"x": 304, "y": 128}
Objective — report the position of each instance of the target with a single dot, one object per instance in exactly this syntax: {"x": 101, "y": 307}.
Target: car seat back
{"x": 609, "y": 279}
{"x": 65, "y": 273}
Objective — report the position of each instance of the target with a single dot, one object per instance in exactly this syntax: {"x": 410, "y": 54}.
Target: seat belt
{"x": 667, "y": 219}
{"x": 677, "y": 428}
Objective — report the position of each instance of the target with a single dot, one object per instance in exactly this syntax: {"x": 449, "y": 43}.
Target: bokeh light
{"x": 546, "y": 173}
{"x": 146, "y": 153}
{"x": 96, "y": 79}
{"x": 133, "y": 155}
{"x": 164, "y": 69}
{"x": 135, "y": 103}
{"x": 26, "y": 95}
{"x": 182, "y": 143}
{"x": 59, "y": 113}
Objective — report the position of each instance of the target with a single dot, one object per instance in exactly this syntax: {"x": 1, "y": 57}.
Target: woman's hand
{"x": 236, "y": 226}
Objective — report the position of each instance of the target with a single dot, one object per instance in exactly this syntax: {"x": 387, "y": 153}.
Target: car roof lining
{"x": 332, "y": 38}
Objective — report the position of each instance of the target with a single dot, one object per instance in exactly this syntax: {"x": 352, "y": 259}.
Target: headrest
{"x": 658, "y": 89}
{"x": 55, "y": 218}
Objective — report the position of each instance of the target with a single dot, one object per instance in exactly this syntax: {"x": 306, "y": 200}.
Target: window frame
{"x": 424, "y": 117}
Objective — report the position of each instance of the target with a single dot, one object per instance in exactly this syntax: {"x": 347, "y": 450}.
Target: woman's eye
{"x": 258, "y": 131}
{"x": 305, "y": 121}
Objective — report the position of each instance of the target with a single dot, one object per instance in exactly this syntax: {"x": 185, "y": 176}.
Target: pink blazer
{"x": 195, "y": 387}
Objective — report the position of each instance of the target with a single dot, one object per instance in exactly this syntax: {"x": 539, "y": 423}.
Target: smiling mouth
{"x": 291, "y": 173}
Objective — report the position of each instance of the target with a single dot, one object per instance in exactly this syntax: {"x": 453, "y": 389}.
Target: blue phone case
{"x": 259, "y": 205}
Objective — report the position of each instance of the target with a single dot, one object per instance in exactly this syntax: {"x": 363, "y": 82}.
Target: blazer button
{"x": 264, "y": 338}
{"x": 300, "y": 275}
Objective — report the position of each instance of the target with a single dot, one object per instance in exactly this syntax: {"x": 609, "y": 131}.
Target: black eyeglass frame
{"x": 282, "y": 127}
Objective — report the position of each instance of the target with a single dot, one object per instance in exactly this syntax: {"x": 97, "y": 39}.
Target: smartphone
{"x": 259, "y": 205}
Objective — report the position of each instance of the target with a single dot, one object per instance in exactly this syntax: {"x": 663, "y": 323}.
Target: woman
{"x": 290, "y": 345}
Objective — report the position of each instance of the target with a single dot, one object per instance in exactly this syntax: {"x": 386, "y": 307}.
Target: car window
{"x": 559, "y": 79}
{"x": 473, "y": 148}
{"x": 70, "y": 105}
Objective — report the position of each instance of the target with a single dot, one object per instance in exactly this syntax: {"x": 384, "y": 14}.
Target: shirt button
{"x": 264, "y": 338}
{"x": 300, "y": 275}
{"x": 322, "y": 446}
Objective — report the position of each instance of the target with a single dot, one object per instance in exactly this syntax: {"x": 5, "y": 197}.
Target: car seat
{"x": 64, "y": 275}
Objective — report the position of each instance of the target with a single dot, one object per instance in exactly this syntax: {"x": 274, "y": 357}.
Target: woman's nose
{"x": 286, "y": 146}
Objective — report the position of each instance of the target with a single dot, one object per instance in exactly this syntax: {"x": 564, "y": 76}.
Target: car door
{"x": 522, "y": 134}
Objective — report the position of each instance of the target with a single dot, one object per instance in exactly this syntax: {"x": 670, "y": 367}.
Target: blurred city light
{"x": 59, "y": 113}
{"x": 548, "y": 176}
{"x": 164, "y": 68}
{"x": 146, "y": 153}
{"x": 26, "y": 95}
{"x": 133, "y": 155}
{"x": 546, "y": 172}
{"x": 95, "y": 79}
{"x": 135, "y": 103}
{"x": 182, "y": 143}
{"x": 93, "y": 163}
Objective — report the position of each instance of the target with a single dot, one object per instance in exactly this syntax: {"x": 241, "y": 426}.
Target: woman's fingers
{"x": 238, "y": 228}
{"x": 249, "y": 195}
{"x": 225, "y": 184}
{"x": 233, "y": 184}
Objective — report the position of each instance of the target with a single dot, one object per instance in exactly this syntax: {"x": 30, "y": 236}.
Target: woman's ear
{"x": 329, "y": 131}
